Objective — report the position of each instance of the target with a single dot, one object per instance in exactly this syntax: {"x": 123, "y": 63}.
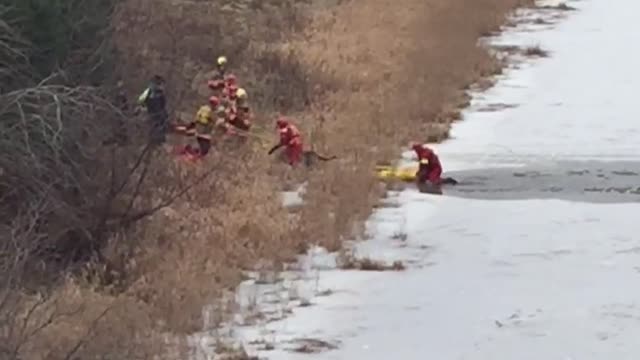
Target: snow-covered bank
{"x": 527, "y": 279}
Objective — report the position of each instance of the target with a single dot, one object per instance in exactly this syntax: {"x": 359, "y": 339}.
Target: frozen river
{"x": 540, "y": 258}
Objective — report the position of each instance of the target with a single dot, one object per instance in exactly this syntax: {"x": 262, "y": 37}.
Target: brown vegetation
{"x": 561, "y": 6}
{"x": 535, "y": 51}
{"x": 367, "y": 264}
{"x": 310, "y": 345}
{"x": 361, "y": 77}
{"x": 348, "y": 260}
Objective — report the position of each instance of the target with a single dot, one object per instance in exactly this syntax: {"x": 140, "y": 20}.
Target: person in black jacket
{"x": 154, "y": 99}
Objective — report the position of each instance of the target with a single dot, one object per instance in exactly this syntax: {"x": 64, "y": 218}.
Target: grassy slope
{"x": 361, "y": 77}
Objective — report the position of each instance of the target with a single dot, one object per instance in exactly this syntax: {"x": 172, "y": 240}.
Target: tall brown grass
{"x": 360, "y": 77}
{"x": 404, "y": 69}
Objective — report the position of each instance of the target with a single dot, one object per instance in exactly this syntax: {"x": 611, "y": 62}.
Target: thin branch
{"x": 74, "y": 350}
{"x": 147, "y": 212}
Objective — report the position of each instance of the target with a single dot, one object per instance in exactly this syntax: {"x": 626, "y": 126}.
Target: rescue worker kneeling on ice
{"x": 430, "y": 168}
{"x": 290, "y": 138}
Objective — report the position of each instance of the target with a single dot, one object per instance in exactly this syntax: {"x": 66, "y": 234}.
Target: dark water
{"x": 597, "y": 182}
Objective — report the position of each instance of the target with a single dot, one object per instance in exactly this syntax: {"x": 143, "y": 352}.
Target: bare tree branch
{"x": 81, "y": 342}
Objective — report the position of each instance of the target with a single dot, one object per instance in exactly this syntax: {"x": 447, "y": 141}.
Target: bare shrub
{"x": 58, "y": 158}
{"x": 312, "y": 345}
{"x": 72, "y": 189}
{"x": 565, "y": 7}
{"x": 535, "y": 51}
{"x": 561, "y": 6}
{"x": 349, "y": 261}
{"x": 400, "y": 235}
{"x": 69, "y": 321}
{"x": 231, "y": 352}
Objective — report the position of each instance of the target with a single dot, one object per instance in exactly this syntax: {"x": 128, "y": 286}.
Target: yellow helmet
{"x": 241, "y": 93}
{"x": 222, "y": 60}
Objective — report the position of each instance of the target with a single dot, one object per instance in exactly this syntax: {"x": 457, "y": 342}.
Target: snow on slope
{"x": 526, "y": 279}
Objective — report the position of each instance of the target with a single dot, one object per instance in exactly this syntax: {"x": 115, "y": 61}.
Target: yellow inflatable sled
{"x": 397, "y": 173}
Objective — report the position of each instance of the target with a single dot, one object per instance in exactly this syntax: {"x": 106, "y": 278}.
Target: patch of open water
{"x": 583, "y": 181}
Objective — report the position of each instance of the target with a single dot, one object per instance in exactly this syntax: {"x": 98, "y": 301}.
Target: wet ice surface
{"x": 588, "y": 181}
{"x": 546, "y": 275}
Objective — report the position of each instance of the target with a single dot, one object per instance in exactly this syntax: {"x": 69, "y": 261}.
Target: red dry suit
{"x": 290, "y": 137}
{"x": 430, "y": 168}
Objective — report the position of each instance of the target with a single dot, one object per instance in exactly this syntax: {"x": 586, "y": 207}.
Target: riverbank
{"x": 359, "y": 77}
{"x": 526, "y": 278}
{"x": 359, "y": 80}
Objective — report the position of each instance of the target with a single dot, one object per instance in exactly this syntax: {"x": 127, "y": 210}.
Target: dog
{"x": 311, "y": 158}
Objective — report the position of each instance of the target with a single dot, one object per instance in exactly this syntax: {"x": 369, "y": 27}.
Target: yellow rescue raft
{"x": 397, "y": 173}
